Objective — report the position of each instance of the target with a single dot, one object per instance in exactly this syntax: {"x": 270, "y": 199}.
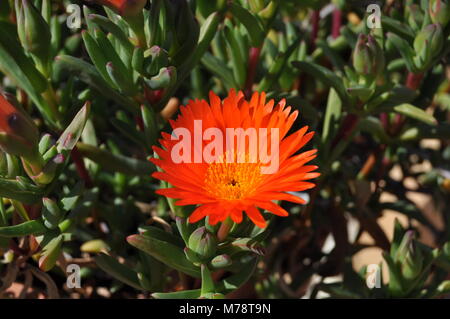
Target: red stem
{"x": 253, "y": 58}
{"x": 384, "y": 120}
{"x": 347, "y": 126}
{"x": 315, "y": 27}
{"x": 81, "y": 168}
{"x": 153, "y": 96}
{"x": 337, "y": 23}
{"x": 413, "y": 80}
{"x": 140, "y": 122}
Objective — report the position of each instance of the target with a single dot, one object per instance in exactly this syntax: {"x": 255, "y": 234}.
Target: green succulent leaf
{"x": 251, "y": 22}
{"x": 50, "y": 253}
{"x": 165, "y": 252}
{"x": 115, "y": 162}
{"x": 119, "y": 271}
{"x": 31, "y": 227}
{"x": 416, "y": 113}
{"x": 326, "y": 76}
{"x": 72, "y": 133}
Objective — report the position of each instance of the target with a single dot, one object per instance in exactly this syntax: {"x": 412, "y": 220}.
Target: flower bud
{"x": 126, "y": 8}
{"x": 440, "y": 11}
{"x": 221, "y": 261}
{"x": 413, "y": 262}
{"x": 428, "y": 43}
{"x": 409, "y": 257}
{"x": 165, "y": 78}
{"x": 18, "y": 134}
{"x": 368, "y": 58}
{"x": 33, "y": 30}
{"x": 157, "y": 58}
{"x": 203, "y": 243}
{"x": 402, "y": 250}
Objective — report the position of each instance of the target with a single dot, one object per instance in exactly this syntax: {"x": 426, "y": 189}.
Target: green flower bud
{"x": 156, "y": 58}
{"x": 402, "y": 250}
{"x": 165, "y": 78}
{"x": 34, "y": 32}
{"x": 221, "y": 261}
{"x": 203, "y": 243}
{"x": 413, "y": 262}
{"x": 440, "y": 11}
{"x": 368, "y": 57}
{"x": 428, "y": 44}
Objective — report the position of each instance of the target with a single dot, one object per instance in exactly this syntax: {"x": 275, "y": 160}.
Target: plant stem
{"x": 81, "y": 168}
{"x": 224, "y": 229}
{"x": 252, "y": 65}
{"x": 413, "y": 82}
{"x": 337, "y": 23}
{"x": 349, "y": 123}
{"x": 315, "y": 28}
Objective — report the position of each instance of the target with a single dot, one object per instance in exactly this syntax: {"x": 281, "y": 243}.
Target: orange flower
{"x": 18, "y": 133}
{"x": 6, "y": 111}
{"x": 125, "y": 7}
{"x": 234, "y": 182}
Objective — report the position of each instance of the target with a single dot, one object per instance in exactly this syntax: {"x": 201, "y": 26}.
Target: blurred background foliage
{"x": 75, "y": 181}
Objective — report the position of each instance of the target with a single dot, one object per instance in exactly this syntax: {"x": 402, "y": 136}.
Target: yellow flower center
{"x": 231, "y": 181}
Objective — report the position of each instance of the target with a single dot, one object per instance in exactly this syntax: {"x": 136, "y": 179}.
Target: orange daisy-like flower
{"x": 234, "y": 181}
{"x": 6, "y": 111}
{"x": 125, "y": 7}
